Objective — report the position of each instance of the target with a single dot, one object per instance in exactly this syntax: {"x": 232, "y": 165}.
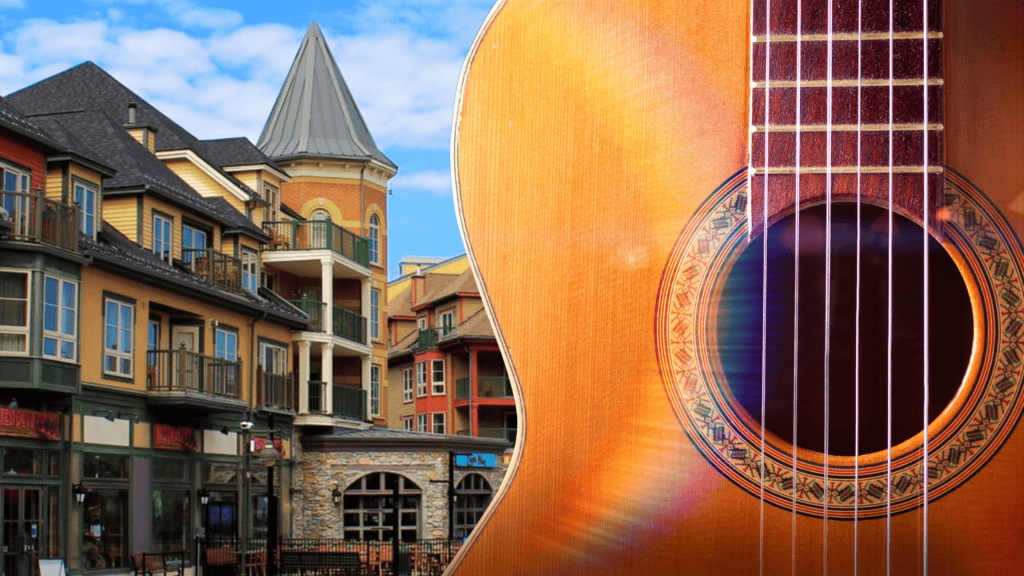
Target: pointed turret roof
{"x": 315, "y": 114}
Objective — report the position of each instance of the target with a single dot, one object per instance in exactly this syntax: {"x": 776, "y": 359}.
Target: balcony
{"x": 346, "y": 323}
{"x": 31, "y": 217}
{"x": 218, "y": 269}
{"x": 181, "y": 374}
{"x": 487, "y": 387}
{"x": 349, "y": 402}
{"x": 317, "y": 235}
{"x": 507, "y": 434}
{"x": 275, "y": 390}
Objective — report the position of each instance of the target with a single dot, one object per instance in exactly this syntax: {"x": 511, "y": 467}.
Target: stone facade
{"x": 320, "y": 469}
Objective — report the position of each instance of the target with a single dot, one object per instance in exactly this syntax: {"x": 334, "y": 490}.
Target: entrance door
{"x": 22, "y": 530}
{"x": 185, "y": 342}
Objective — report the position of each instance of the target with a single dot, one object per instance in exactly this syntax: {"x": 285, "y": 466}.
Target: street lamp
{"x": 268, "y": 457}
{"x": 79, "y": 492}
{"x": 336, "y": 495}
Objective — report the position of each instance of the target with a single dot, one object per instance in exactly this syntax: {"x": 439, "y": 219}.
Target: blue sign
{"x": 476, "y": 460}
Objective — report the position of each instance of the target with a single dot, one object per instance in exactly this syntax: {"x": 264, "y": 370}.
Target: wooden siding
{"x": 122, "y": 212}
{"x": 202, "y": 182}
{"x": 153, "y": 204}
{"x": 23, "y": 155}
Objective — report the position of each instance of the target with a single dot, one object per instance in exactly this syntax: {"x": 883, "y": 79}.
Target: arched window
{"x": 473, "y": 494}
{"x": 369, "y": 512}
{"x": 374, "y": 239}
{"x": 319, "y": 229}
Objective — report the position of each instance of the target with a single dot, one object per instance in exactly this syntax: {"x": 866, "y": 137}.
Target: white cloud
{"x": 191, "y": 15}
{"x": 12, "y": 3}
{"x": 435, "y": 181}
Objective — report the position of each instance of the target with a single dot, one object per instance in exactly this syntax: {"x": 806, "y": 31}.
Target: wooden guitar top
{"x": 587, "y": 135}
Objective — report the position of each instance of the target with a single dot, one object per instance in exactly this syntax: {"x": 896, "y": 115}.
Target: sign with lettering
{"x": 30, "y": 424}
{"x": 476, "y": 460}
{"x": 173, "y": 438}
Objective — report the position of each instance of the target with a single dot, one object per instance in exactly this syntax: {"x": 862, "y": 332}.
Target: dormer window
{"x": 15, "y": 197}
{"x": 271, "y": 195}
{"x": 192, "y": 239}
{"x": 250, "y": 270}
{"x": 163, "y": 236}
{"x": 86, "y": 197}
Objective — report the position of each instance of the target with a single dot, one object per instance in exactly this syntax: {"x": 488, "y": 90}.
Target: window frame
{"x": 374, "y": 239}
{"x": 407, "y": 424}
{"x": 88, "y": 223}
{"x": 448, "y": 314}
{"x": 60, "y": 336}
{"x": 421, "y": 422}
{"x": 167, "y": 225}
{"x": 437, "y": 387}
{"x": 375, "y": 373}
{"x": 407, "y": 385}
{"x": 438, "y": 419}
{"x": 375, "y": 313}
{"x": 189, "y": 230}
{"x": 18, "y": 209}
{"x": 221, "y": 353}
{"x": 24, "y": 331}
{"x": 250, "y": 278}
{"x": 117, "y": 355}
{"x": 421, "y": 379}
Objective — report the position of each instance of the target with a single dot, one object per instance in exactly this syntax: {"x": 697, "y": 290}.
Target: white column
{"x": 327, "y": 293}
{"x": 304, "y": 377}
{"x": 327, "y": 375}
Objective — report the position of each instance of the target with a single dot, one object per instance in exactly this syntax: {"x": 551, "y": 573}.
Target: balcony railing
{"x": 275, "y": 390}
{"x": 317, "y": 397}
{"x": 219, "y": 269}
{"x": 508, "y": 434}
{"x": 317, "y": 235}
{"x": 31, "y": 217}
{"x": 186, "y": 371}
{"x": 350, "y": 402}
{"x": 346, "y": 323}
{"x": 486, "y": 387}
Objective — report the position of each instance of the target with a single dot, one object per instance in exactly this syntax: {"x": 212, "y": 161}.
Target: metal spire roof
{"x": 315, "y": 114}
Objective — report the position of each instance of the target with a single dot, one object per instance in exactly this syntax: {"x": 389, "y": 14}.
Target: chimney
{"x": 145, "y": 135}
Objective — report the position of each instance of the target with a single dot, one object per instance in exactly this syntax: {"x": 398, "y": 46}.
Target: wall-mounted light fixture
{"x": 79, "y": 492}
{"x": 204, "y": 496}
{"x": 336, "y": 495}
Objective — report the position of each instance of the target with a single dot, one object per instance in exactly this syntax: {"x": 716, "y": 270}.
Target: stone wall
{"x": 317, "y": 473}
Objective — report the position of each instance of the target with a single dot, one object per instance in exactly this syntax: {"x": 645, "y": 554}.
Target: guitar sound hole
{"x": 739, "y": 330}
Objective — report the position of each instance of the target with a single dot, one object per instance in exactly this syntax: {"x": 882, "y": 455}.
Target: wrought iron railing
{"x": 214, "y": 267}
{"x": 275, "y": 390}
{"x": 185, "y": 371}
{"x": 31, "y": 217}
{"x": 314, "y": 310}
{"x": 501, "y": 433}
{"x": 349, "y": 402}
{"x": 317, "y": 403}
{"x": 497, "y": 387}
{"x": 317, "y": 235}
{"x": 345, "y": 323}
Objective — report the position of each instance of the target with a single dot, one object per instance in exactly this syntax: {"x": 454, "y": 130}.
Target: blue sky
{"x": 216, "y": 68}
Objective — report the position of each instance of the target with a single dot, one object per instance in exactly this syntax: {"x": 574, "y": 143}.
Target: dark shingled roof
{"x": 394, "y": 438}
{"x": 113, "y": 248}
{"x": 12, "y": 119}
{"x": 235, "y": 220}
{"x": 237, "y": 152}
{"x": 315, "y": 114}
{"x": 87, "y": 87}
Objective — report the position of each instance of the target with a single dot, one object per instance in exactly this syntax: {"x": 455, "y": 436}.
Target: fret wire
{"x": 849, "y": 83}
{"x": 847, "y": 127}
{"x": 845, "y": 36}
{"x": 851, "y": 170}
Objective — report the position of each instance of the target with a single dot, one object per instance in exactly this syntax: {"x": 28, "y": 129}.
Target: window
{"x": 227, "y": 344}
{"x": 474, "y": 495}
{"x": 85, "y": 197}
{"x": 60, "y": 318}
{"x": 375, "y": 314}
{"x": 438, "y": 422}
{"x": 16, "y": 185}
{"x": 421, "y": 323}
{"x": 447, "y": 321}
{"x": 153, "y": 335}
{"x": 13, "y": 312}
{"x": 367, "y": 515}
{"x": 117, "y": 355}
{"x": 374, "y": 390}
{"x": 266, "y": 280}
{"x": 170, "y": 500}
{"x": 105, "y": 511}
{"x": 407, "y": 423}
{"x": 421, "y": 422}
{"x": 374, "y": 239}
{"x": 250, "y": 270}
{"x": 407, "y": 385}
{"x": 192, "y": 238}
{"x": 421, "y": 379}
{"x": 270, "y": 194}
{"x": 163, "y": 236}
{"x": 437, "y": 376}
{"x": 273, "y": 385}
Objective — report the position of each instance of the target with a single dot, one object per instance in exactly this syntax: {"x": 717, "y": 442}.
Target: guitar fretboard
{"x": 881, "y": 71}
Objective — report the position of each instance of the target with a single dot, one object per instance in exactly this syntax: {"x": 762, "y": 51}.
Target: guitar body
{"x": 588, "y": 137}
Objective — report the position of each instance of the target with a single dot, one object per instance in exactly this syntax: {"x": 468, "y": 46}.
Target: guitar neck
{"x": 871, "y": 95}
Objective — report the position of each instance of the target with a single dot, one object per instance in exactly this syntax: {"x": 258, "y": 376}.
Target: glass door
{"x": 21, "y": 530}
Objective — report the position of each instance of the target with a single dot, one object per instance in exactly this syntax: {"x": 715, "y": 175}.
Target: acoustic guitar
{"x": 755, "y": 272}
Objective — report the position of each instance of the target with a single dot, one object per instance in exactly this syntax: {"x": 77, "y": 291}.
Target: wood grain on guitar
{"x": 590, "y": 139}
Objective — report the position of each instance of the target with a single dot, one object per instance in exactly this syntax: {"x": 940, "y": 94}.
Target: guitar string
{"x": 925, "y": 176}
{"x": 888, "y": 383}
{"x": 828, "y": 273}
{"x": 856, "y": 314}
{"x": 764, "y": 259}
{"x": 796, "y": 270}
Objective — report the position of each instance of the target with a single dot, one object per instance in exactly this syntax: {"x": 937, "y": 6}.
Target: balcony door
{"x": 185, "y": 340}
{"x": 22, "y": 529}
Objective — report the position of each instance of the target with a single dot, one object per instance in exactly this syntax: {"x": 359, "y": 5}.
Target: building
{"x": 175, "y": 313}
{"x": 447, "y": 373}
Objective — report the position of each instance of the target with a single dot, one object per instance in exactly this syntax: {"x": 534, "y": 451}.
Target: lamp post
{"x": 268, "y": 456}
